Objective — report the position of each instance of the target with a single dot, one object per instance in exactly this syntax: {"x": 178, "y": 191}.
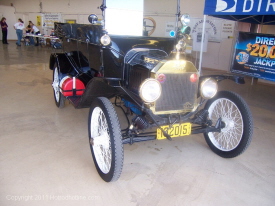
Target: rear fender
{"x": 62, "y": 61}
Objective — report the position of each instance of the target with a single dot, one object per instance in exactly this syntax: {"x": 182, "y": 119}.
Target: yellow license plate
{"x": 177, "y": 130}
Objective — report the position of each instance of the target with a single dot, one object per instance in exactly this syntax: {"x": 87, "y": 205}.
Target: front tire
{"x": 58, "y": 96}
{"x": 105, "y": 139}
{"x": 236, "y": 134}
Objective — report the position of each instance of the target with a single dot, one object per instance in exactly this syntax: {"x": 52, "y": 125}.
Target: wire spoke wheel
{"x": 100, "y": 140}
{"x": 231, "y": 134}
{"x": 58, "y": 96}
{"x": 236, "y": 133}
{"x": 105, "y": 139}
{"x": 55, "y": 84}
{"x": 149, "y": 26}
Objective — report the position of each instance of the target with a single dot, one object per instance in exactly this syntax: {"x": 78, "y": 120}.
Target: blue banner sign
{"x": 239, "y": 7}
{"x": 255, "y": 55}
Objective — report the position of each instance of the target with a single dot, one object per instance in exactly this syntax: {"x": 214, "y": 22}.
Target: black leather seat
{"x": 70, "y": 30}
{"x": 90, "y": 33}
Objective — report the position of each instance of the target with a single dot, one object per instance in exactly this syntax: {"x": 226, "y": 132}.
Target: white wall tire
{"x": 58, "y": 96}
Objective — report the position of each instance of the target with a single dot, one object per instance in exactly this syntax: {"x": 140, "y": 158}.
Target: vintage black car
{"x": 160, "y": 92}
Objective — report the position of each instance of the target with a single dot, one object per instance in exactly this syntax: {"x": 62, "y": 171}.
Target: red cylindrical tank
{"x": 68, "y": 84}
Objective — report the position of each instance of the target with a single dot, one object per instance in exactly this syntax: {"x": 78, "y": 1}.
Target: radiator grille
{"x": 178, "y": 93}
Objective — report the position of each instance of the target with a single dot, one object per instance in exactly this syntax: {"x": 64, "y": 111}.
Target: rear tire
{"x": 105, "y": 139}
{"x": 236, "y": 135}
{"x": 58, "y": 96}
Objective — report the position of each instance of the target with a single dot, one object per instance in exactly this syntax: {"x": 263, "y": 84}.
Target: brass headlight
{"x": 150, "y": 90}
{"x": 105, "y": 40}
{"x": 209, "y": 88}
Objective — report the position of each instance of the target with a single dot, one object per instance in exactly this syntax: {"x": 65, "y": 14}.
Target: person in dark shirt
{"x": 35, "y": 31}
{"x": 30, "y": 40}
{"x": 4, "y": 27}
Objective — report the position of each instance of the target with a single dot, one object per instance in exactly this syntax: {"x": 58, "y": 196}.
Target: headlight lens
{"x": 105, "y": 40}
{"x": 209, "y": 88}
{"x": 150, "y": 90}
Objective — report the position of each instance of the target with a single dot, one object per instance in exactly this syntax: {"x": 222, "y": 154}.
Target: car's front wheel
{"x": 105, "y": 139}
{"x": 237, "y": 124}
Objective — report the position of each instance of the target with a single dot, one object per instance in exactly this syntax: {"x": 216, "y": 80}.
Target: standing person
{"x": 19, "y": 26}
{"x": 35, "y": 31}
{"x": 4, "y": 27}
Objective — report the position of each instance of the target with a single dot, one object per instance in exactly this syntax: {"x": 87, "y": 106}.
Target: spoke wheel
{"x": 105, "y": 139}
{"x": 237, "y": 130}
{"x": 58, "y": 96}
{"x": 149, "y": 26}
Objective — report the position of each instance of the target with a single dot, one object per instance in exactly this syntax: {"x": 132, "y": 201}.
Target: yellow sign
{"x": 70, "y": 21}
{"x": 38, "y": 20}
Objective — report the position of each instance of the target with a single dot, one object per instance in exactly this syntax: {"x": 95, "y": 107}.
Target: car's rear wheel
{"x": 105, "y": 139}
{"x": 58, "y": 96}
{"x": 236, "y": 134}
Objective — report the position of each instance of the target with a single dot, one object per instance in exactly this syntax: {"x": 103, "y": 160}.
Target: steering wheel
{"x": 149, "y": 26}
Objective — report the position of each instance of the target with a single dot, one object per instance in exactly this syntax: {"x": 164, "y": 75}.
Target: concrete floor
{"x": 45, "y": 157}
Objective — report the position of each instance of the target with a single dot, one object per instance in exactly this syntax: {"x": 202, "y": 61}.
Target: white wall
{"x": 268, "y": 29}
{"x": 8, "y": 13}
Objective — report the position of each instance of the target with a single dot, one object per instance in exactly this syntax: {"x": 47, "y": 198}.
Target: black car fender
{"x": 100, "y": 87}
{"x": 218, "y": 78}
{"x": 62, "y": 61}
{"x": 237, "y": 79}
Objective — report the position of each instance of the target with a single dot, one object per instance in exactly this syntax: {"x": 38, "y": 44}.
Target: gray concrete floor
{"x": 45, "y": 157}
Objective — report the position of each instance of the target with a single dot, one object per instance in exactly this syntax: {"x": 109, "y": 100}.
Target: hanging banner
{"x": 50, "y": 18}
{"x": 255, "y": 55}
{"x": 38, "y": 21}
{"x": 239, "y": 7}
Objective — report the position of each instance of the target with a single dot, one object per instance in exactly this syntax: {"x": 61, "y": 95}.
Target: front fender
{"x": 99, "y": 87}
{"x": 237, "y": 79}
{"x": 219, "y": 78}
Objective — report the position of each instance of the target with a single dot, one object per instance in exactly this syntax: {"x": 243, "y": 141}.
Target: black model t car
{"x": 160, "y": 92}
